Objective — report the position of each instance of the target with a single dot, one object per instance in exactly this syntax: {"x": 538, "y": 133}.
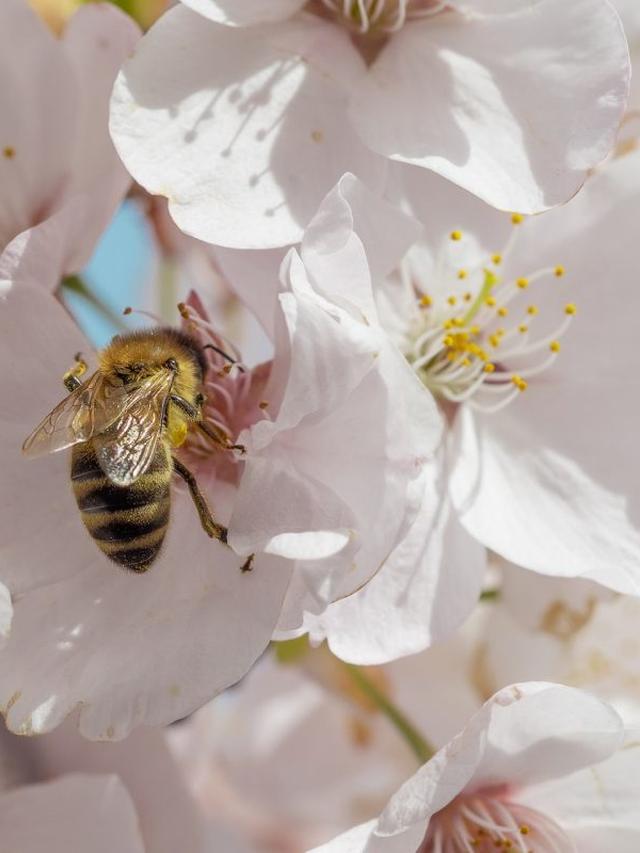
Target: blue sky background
{"x": 117, "y": 274}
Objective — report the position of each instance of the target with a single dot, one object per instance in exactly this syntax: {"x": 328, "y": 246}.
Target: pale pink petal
{"x": 97, "y": 40}
{"x": 243, "y": 129}
{"x": 92, "y": 814}
{"x": 41, "y": 341}
{"x": 168, "y": 816}
{"x": 255, "y": 278}
{"x": 513, "y": 107}
{"x": 243, "y": 13}
{"x": 193, "y": 625}
{"x": 38, "y": 107}
{"x": 550, "y": 482}
{"x": 6, "y": 614}
{"x": 43, "y": 254}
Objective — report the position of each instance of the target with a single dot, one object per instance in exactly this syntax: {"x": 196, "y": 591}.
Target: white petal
{"x": 422, "y": 593}
{"x": 509, "y": 741}
{"x": 513, "y": 107}
{"x": 243, "y": 13}
{"x": 598, "y": 807}
{"x": 77, "y": 812}
{"x": 352, "y": 218}
{"x": 535, "y": 482}
{"x": 244, "y": 130}
{"x": 97, "y": 40}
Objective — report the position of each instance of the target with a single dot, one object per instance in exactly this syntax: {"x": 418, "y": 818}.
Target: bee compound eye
{"x": 171, "y": 364}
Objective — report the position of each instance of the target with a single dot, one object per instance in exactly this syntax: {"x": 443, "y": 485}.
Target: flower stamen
{"x": 457, "y": 339}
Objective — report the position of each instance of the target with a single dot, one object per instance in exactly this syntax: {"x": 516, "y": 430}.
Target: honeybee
{"x": 122, "y": 424}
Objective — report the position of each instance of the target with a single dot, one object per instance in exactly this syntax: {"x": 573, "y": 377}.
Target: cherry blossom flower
{"x": 537, "y": 768}
{"x": 566, "y": 630}
{"x": 505, "y": 342}
{"x": 408, "y": 595}
{"x": 297, "y": 752}
{"x": 55, "y": 151}
{"x": 244, "y": 113}
{"x": 336, "y": 430}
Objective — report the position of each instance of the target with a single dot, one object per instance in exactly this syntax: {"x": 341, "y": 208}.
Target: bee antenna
{"x": 225, "y": 355}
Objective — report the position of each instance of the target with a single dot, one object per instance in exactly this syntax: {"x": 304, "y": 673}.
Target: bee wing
{"x": 92, "y": 407}
{"x": 126, "y": 449}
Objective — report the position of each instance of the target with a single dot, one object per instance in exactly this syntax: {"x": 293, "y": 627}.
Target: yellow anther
{"x": 448, "y": 324}
{"x": 458, "y": 321}
{"x": 451, "y": 355}
{"x": 426, "y": 301}
{"x": 451, "y": 300}
{"x": 559, "y": 271}
{"x": 522, "y": 283}
{"x": 490, "y": 301}
{"x": 524, "y": 829}
{"x": 448, "y": 340}
{"x": 554, "y": 346}
{"x": 456, "y": 235}
{"x": 489, "y": 367}
{"x": 501, "y": 331}
{"x": 466, "y": 362}
{"x": 532, "y": 310}
{"x": 497, "y": 259}
{"x": 494, "y": 340}
{"x": 9, "y": 152}
{"x": 517, "y": 218}
{"x": 519, "y": 382}
{"x": 462, "y": 274}
{"x": 502, "y": 312}
{"x": 474, "y": 330}
{"x": 570, "y": 308}
{"x": 468, "y": 297}
{"x": 522, "y": 328}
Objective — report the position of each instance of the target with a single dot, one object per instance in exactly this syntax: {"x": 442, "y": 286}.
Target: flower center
{"x": 472, "y": 340}
{"x": 485, "y": 822}
{"x": 232, "y": 398}
{"x": 377, "y": 16}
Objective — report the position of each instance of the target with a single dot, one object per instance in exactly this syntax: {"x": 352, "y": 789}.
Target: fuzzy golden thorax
{"x": 132, "y": 357}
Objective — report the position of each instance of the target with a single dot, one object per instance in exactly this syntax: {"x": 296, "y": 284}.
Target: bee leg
{"x": 71, "y": 378}
{"x": 209, "y": 524}
{"x": 216, "y": 434}
{"x": 219, "y": 436}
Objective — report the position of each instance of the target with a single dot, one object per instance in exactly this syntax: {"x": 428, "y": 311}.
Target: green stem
{"x": 492, "y": 594}
{"x": 420, "y": 747}
{"x": 76, "y": 284}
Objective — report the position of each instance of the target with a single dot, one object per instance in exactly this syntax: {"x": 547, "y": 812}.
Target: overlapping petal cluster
{"x": 244, "y": 114}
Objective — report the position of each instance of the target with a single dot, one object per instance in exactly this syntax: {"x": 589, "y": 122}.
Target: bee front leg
{"x": 210, "y": 526}
{"x": 71, "y": 378}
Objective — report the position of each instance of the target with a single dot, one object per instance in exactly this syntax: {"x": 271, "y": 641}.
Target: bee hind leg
{"x": 210, "y": 526}
{"x": 71, "y": 378}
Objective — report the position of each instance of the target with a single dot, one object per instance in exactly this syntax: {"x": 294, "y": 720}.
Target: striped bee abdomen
{"x": 127, "y": 523}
